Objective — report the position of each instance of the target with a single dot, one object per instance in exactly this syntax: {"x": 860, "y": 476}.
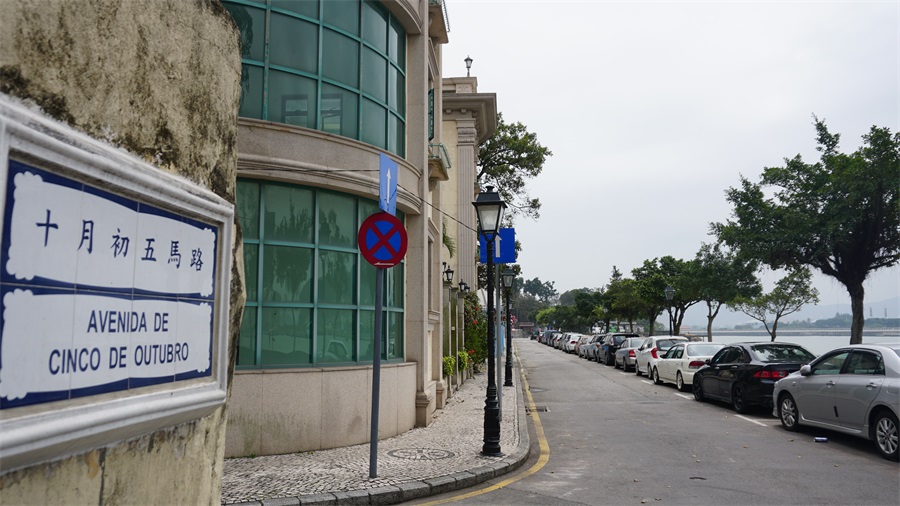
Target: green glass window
{"x": 251, "y": 92}
{"x": 310, "y": 294}
{"x": 363, "y": 54}
{"x": 308, "y": 8}
{"x": 293, "y": 43}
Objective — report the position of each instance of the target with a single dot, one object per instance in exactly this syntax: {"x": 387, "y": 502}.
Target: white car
{"x": 571, "y": 342}
{"x": 679, "y": 363}
{"x": 653, "y": 348}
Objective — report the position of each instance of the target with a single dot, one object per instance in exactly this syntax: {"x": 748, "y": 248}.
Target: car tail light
{"x": 696, "y": 364}
{"x": 653, "y": 352}
{"x": 631, "y": 354}
{"x": 766, "y": 374}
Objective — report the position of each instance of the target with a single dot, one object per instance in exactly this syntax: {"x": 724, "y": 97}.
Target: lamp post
{"x": 508, "y": 277}
{"x": 670, "y": 293}
{"x": 468, "y": 61}
{"x": 489, "y": 210}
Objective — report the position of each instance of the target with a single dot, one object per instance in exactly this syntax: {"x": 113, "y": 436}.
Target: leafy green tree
{"x": 840, "y": 215}
{"x": 791, "y": 293}
{"x": 567, "y": 298}
{"x": 508, "y": 159}
{"x": 651, "y": 280}
{"x": 721, "y": 278}
{"x": 543, "y": 291}
{"x": 624, "y": 301}
{"x": 649, "y": 285}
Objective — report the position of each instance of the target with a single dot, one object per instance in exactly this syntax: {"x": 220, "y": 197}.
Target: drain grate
{"x": 539, "y": 409}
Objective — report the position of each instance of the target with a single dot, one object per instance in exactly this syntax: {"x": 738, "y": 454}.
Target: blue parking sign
{"x": 504, "y": 247}
{"x": 387, "y": 185}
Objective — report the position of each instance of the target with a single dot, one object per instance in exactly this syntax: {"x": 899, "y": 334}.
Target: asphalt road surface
{"x": 615, "y": 438}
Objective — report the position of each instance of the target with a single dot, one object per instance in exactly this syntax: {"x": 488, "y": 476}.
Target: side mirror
{"x": 805, "y": 370}
{"x": 706, "y": 361}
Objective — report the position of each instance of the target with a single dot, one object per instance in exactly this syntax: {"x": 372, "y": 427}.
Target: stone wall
{"x": 160, "y": 79}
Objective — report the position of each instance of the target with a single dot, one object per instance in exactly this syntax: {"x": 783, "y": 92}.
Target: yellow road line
{"x": 541, "y": 462}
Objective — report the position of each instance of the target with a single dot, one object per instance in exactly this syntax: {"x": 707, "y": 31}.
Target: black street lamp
{"x": 489, "y": 210}
{"x": 670, "y": 293}
{"x": 468, "y": 61}
{"x": 508, "y": 278}
{"x": 448, "y": 274}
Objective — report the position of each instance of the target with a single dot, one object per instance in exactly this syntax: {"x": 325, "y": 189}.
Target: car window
{"x": 701, "y": 350}
{"x": 670, "y": 353}
{"x": 781, "y": 353}
{"x": 727, "y": 356}
{"x": 830, "y": 364}
{"x": 636, "y": 343}
{"x": 675, "y": 352}
{"x": 664, "y": 344}
{"x": 865, "y": 362}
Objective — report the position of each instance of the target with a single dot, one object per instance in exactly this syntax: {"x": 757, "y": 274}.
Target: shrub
{"x": 449, "y": 366}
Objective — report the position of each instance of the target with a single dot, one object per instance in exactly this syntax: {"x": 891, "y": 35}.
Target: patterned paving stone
{"x": 450, "y": 444}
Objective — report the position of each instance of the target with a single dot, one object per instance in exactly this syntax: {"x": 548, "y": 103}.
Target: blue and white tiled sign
{"x": 100, "y": 293}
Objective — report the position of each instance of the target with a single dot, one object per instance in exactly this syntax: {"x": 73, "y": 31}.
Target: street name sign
{"x": 114, "y": 287}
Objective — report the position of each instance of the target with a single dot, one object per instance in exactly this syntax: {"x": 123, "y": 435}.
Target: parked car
{"x": 681, "y": 361}
{"x": 554, "y": 341}
{"x": 853, "y": 389}
{"x": 744, "y": 374}
{"x": 581, "y": 347}
{"x": 606, "y": 353}
{"x": 650, "y": 351}
{"x": 596, "y": 341}
{"x": 571, "y": 339}
{"x": 627, "y": 352}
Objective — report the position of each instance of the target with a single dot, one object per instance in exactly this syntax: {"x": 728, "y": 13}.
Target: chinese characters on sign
{"x": 100, "y": 293}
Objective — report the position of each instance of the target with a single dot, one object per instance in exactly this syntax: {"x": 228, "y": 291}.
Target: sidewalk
{"x": 424, "y": 461}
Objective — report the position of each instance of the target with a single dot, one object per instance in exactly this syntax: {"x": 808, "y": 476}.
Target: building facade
{"x": 328, "y": 87}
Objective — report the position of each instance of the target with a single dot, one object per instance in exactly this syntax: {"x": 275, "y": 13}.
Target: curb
{"x": 411, "y": 490}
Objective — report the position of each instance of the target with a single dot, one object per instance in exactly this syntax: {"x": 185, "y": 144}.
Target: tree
{"x": 840, "y": 215}
{"x": 654, "y": 276}
{"x": 721, "y": 278}
{"x": 508, "y": 159}
{"x": 790, "y": 294}
{"x": 543, "y": 291}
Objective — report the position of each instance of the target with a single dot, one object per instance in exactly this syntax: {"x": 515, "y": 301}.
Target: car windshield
{"x": 634, "y": 342}
{"x": 665, "y": 344}
{"x": 702, "y": 350}
{"x": 781, "y": 353}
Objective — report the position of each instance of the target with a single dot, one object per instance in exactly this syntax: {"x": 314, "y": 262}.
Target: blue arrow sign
{"x": 387, "y": 185}
{"x": 504, "y": 247}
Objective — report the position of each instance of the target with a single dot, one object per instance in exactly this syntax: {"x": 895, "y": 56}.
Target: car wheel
{"x": 886, "y": 435}
{"x": 679, "y": 382}
{"x": 787, "y": 412}
{"x": 698, "y": 390}
{"x": 615, "y": 364}
{"x": 608, "y": 360}
{"x": 637, "y": 369}
{"x": 738, "y": 402}
{"x": 656, "y": 376}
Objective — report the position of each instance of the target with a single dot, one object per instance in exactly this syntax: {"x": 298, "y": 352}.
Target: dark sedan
{"x": 606, "y": 353}
{"x": 744, "y": 374}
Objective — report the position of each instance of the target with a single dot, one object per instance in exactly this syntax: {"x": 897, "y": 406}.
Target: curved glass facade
{"x": 310, "y": 293}
{"x": 335, "y": 66}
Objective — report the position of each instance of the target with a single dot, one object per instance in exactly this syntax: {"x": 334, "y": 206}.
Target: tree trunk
{"x": 857, "y": 296}
{"x": 710, "y": 316}
{"x": 651, "y": 317}
{"x": 774, "y": 329}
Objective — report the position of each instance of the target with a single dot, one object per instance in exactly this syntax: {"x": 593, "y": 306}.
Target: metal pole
{"x": 509, "y": 368}
{"x": 376, "y": 374}
{"x": 670, "y": 321}
{"x": 498, "y": 347}
{"x": 491, "y": 408}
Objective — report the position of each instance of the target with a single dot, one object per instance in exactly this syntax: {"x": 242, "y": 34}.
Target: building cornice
{"x": 481, "y": 106}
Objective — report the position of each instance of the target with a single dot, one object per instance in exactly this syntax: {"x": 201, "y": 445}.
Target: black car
{"x": 606, "y": 352}
{"x": 744, "y": 374}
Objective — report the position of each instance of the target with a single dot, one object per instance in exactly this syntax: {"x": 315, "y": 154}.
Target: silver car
{"x": 854, "y": 389}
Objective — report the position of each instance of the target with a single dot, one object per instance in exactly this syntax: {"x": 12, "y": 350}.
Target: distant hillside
{"x": 727, "y": 319}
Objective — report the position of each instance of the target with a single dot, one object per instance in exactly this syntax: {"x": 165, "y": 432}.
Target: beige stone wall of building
{"x": 159, "y": 79}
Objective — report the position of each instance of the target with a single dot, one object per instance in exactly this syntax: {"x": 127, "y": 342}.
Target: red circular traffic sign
{"x": 382, "y": 240}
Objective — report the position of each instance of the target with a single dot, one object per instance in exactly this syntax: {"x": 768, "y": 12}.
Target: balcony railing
{"x": 438, "y": 163}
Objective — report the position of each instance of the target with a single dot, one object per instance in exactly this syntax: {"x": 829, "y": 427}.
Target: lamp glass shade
{"x": 489, "y": 207}
{"x": 670, "y": 292}
{"x": 448, "y": 275}
{"x": 508, "y": 277}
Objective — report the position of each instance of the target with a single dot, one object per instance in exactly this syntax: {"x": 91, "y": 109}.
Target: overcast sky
{"x": 653, "y": 109}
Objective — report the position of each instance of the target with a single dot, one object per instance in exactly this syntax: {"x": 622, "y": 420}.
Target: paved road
{"x": 615, "y": 438}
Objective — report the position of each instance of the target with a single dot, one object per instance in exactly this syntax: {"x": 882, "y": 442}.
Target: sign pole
{"x": 376, "y": 374}
{"x": 498, "y": 343}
